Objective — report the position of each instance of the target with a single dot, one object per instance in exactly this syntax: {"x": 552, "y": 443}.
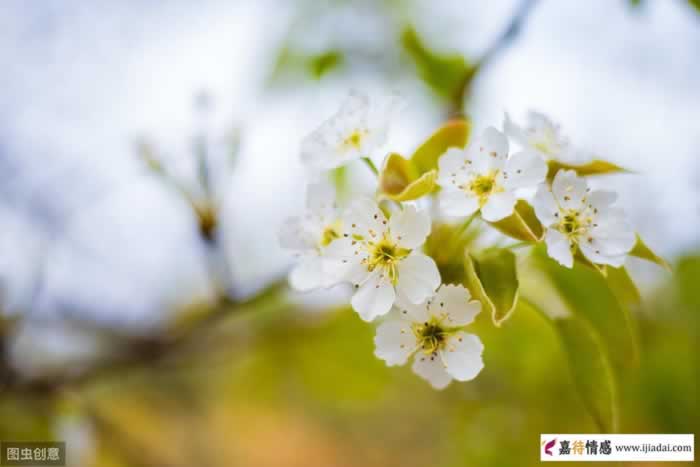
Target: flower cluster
{"x": 377, "y": 244}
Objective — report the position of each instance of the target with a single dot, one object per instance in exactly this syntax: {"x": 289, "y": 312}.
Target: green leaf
{"x": 640, "y": 250}
{"x": 446, "y": 245}
{"x": 695, "y": 4}
{"x": 594, "y": 167}
{"x": 324, "y": 62}
{"x": 492, "y": 279}
{"x": 522, "y": 224}
{"x": 589, "y": 296}
{"x": 454, "y": 133}
{"x": 602, "y": 269}
{"x": 399, "y": 179}
{"x": 623, "y": 286}
{"x": 445, "y": 74}
{"x": 590, "y": 367}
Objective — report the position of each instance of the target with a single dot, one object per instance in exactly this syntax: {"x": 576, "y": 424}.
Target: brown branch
{"x": 509, "y": 34}
{"x": 136, "y": 352}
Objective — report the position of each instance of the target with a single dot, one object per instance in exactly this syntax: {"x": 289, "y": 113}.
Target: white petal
{"x": 417, "y": 313}
{"x": 610, "y": 241}
{"x": 457, "y": 203}
{"x": 524, "y": 169}
{"x": 314, "y": 150}
{"x": 431, "y": 369}
{"x": 495, "y": 143}
{"x": 362, "y": 216}
{"x": 483, "y": 161}
{"x": 452, "y": 303}
{"x": 320, "y": 150}
{"x": 594, "y": 255}
{"x": 569, "y": 189}
{"x": 462, "y": 356}
{"x": 336, "y": 271}
{"x": 355, "y": 106}
{"x": 514, "y": 130}
{"x": 320, "y": 198}
{"x": 498, "y": 206}
{"x": 613, "y": 233}
{"x": 418, "y": 278}
{"x": 294, "y": 236}
{"x": 394, "y": 342}
{"x": 308, "y": 274}
{"x": 558, "y": 247}
{"x": 452, "y": 167}
{"x": 540, "y": 121}
{"x": 342, "y": 249}
{"x": 410, "y": 227}
{"x": 381, "y": 113}
{"x": 545, "y": 206}
{"x": 602, "y": 199}
{"x": 374, "y": 298}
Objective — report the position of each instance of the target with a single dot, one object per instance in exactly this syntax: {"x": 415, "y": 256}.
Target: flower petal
{"x": 457, "y": 203}
{"x": 495, "y": 143}
{"x": 416, "y": 313}
{"x": 410, "y": 227}
{"x": 601, "y": 199}
{"x": 514, "y": 131}
{"x": 452, "y": 167}
{"x": 315, "y": 149}
{"x": 294, "y": 236}
{"x": 610, "y": 240}
{"x": 355, "y": 106}
{"x": 558, "y": 247}
{"x": 324, "y": 148}
{"x": 381, "y": 112}
{"x": 595, "y": 255}
{"x": 524, "y": 169}
{"x": 394, "y": 342}
{"x": 569, "y": 189}
{"x": 482, "y": 161}
{"x": 374, "y": 297}
{"x": 337, "y": 271}
{"x": 342, "y": 249}
{"x": 320, "y": 199}
{"x": 362, "y": 217}
{"x": 545, "y": 207}
{"x": 462, "y": 356}
{"x": 498, "y": 206}
{"x": 418, "y": 278}
{"x": 307, "y": 274}
{"x": 452, "y": 303}
{"x": 431, "y": 369}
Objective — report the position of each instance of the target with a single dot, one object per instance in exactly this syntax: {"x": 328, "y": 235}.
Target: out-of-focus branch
{"x": 509, "y": 34}
{"x": 134, "y": 352}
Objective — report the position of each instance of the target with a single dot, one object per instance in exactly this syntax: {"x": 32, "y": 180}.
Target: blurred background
{"x": 149, "y": 153}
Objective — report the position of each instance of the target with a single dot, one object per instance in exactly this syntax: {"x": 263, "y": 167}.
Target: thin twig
{"x": 506, "y": 38}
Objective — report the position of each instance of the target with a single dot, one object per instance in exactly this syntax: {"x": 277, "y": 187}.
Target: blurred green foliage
{"x": 288, "y": 386}
{"x": 445, "y": 74}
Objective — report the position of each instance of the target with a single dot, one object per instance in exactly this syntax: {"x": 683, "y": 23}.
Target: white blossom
{"x": 576, "y": 217}
{"x": 310, "y": 235}
{"x": 433, "y": 334}
{"x": 540, "y": 134}
{"x": 356, "y": 130}
{"x": 483, "y": 177}
{"x": 384, "y": 258}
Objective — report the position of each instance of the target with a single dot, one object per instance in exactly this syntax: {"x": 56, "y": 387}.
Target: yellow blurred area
{"x": 287, "y": 387}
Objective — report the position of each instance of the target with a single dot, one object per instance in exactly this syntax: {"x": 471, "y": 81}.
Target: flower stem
{"x": 457, "y": 237}
{"x": 463, "y": 228}
{"x": 371, "y": 165}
